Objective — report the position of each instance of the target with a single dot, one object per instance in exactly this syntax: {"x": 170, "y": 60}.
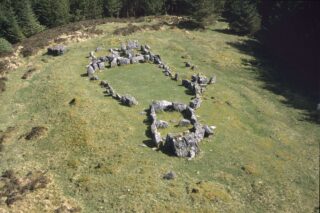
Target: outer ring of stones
{"x": 183, "y": 144}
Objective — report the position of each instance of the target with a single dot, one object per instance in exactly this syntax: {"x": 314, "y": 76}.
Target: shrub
{"x": 5, "y": 46}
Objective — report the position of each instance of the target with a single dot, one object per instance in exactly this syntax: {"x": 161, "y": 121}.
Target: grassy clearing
{"x": 264, "y": 157}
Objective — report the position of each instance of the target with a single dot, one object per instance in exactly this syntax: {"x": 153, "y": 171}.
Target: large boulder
{"x": 101, "y": 65}
{"x": 132, "y": 45}
{"x": 123, "y": 61}
{"x": 137, "y": 59}
{"x": 182, "y": 146}
{"x": 195, "y": 103}
{"x": 90, "y": 71}
{"x": 190, "y": 114}
{"x": 57, "y": 50}
{"x": 179, "y": 107}
{"x": 161, "y": 124}
{"x": 128, "y": 100}
{"x": 161, "y": 105}
{"x": 113, "y": 63}
{"x": 184, "y": 122}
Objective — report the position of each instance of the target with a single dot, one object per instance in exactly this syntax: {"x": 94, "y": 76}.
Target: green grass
{"x": 263, "y": 158}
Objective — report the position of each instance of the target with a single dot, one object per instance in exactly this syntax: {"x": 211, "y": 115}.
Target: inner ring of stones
{"x": 181, "y": 145}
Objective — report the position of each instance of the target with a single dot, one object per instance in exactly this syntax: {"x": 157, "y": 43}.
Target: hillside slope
{"x": 264, "y": 156}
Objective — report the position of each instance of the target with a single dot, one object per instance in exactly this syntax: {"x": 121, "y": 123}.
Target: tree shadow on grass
{"x": 277, "y": 78}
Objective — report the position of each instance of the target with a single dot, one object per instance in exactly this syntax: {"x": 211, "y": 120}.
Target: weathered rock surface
{"x": 57, "y": 50}
{"x": 128, "y": 100}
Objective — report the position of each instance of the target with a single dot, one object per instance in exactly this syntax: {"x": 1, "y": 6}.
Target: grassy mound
{"x": 264, "y": 157}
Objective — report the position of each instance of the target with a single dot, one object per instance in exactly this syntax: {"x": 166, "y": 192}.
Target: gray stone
{"x": 179, "y": 107}
{"x": 104, "y": 84}
{"x": 184, "y": 122}
{"x": 199, "y": 131}
{"x": 95, "y": 66}
{"x": 182, "y": 146}
{"x": 207, "y": 131}
{"x": 147, "y": 47}
{"x": 161, "y": 105}
{"x": 128, "y": 100}
{"x": 157, "y": 138}
{"x": 190, "y": 114}
{"x": 146, "y": 57}
{"x": 188, "y": 64}
{"x": 123, "y": 61}
{"x": 57, "y": 50}
{"x": 161, "y": 124}
{"x": 132, "y": 45}
{"x": 101, "y": 65}
{"x": 123, "y": 47}
{"x": 114, "y": 63}
{"x": 176, "y": 77}
{"x": 157, "y": 59}
{"x": 195, "y": 103}
{"x": 137, "y": 59}
{"x": 90, "y": 71}
{"x": 169, "y": 176}
{"x": 91, "y": 54}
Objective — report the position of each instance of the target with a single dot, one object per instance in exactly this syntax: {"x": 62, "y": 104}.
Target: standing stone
{"x": 128, "y": 100}
{"x": 188, "y": 64}
{"x": 195, "y": 103}
{"x": 101, "y": 65}
{"x": 114, "y": 63}
{"x": 176, "y": 77}
{"x": 90, "y": 71}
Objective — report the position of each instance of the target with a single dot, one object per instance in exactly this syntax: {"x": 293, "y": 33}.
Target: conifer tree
{"x": 113, "y": 7}
{"x": 52, "y": 12}
{"x": 26, "y": 18}
{"x": 9, "y": 27}
{"x": 243, "y": 16}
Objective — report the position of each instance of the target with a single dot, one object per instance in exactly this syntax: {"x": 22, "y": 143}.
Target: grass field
{"x": 264, "y": 156}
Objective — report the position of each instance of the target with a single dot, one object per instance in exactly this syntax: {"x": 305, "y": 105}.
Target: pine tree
{"x": 9, "y": 27}
{"x": 152, "y": 7}
{"x": 113, "y": 7}
{"x": 243, "y": 16}
{"x": 26, "y": 18}
{"x": 52, "y": 12}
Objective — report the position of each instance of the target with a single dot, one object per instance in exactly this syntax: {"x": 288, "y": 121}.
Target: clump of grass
{"x": 28, "y": 74}
{"x": 3, "y": 84}
{"x": 14, "y": 189}
{"x": 36, "y": 133}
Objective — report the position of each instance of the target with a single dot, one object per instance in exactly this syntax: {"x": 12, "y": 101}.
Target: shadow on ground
{"x": 277, "y": 79}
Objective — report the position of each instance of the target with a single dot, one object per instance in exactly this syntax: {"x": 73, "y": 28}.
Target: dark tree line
{"x": 288, "y": 29}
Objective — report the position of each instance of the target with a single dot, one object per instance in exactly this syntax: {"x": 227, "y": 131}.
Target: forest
{"x": 287, "y": 31}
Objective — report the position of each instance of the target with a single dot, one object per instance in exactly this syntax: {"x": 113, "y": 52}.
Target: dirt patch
{"x": 28, "y": 74}
{"x": 13, "y": 188}
{"x": 36, "y": 133}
